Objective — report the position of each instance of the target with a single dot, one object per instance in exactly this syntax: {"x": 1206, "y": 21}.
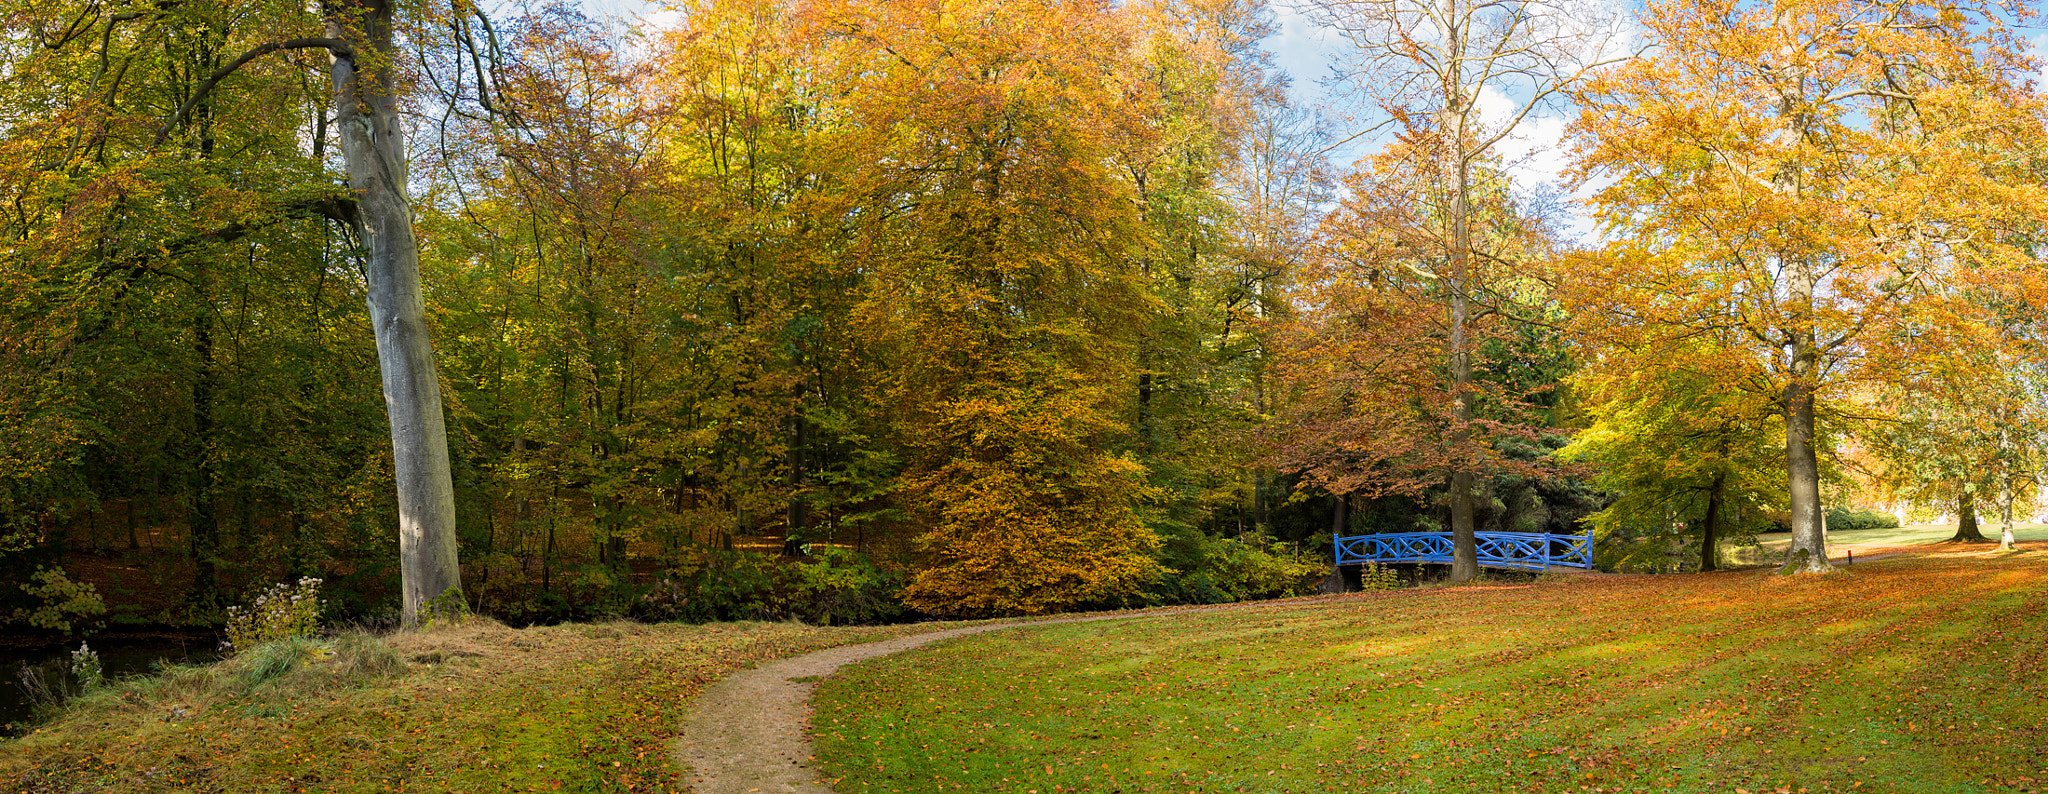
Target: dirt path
{"x": 746, "y": 734}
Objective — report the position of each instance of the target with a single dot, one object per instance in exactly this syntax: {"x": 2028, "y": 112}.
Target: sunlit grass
{"x": 1920, "y": 674}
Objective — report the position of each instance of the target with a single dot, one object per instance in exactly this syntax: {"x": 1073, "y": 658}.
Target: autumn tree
{"x": 1002, "y": 288}
{"x": 166, "y": 275}
{"x": 1433, "y": 66}
{"x": 1970, "y": 433}
{"x": 1206, "y": 84}
{"x": 1680, "y": 443}
{"x": 1368, "y": 410}
{"x": 1820, "y": 178}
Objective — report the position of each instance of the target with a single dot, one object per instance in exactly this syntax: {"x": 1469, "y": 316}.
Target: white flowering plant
{"x": 85, "y": 666}
{"x": 287, "y": 609}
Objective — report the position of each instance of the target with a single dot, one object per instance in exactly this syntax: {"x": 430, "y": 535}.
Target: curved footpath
{"x": 745, "y": 734}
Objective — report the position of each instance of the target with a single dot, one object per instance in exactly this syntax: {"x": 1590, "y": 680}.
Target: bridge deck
{"x": 1528, "y": 551}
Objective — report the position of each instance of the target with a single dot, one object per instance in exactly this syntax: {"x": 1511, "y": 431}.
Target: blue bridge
{"x": 1529, "y": 551}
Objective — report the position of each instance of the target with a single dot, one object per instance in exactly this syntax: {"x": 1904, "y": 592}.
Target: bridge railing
{"x": 1533, "y": 551}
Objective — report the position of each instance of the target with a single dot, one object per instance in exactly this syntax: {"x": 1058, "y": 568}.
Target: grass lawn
{"x": 472, "y": 708}
{"x": 1921, "y": 673}
{"x": 1863, "y": 540}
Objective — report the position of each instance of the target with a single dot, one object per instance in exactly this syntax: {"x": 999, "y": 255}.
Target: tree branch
{"x": 339, "y": 48}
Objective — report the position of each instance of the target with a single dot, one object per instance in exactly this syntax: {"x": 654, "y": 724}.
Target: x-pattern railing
{"x": 1524, "y": 550}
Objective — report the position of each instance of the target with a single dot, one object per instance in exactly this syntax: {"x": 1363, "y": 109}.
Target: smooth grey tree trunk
{"x": 1809, "y": 550}
{"x": 2005, "y": 512}
{"x": 373, "y": 148}
{"x": 1464, "y": 541}
{"x": 2005, "y": 467}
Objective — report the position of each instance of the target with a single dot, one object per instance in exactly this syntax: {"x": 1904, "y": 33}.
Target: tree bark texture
{"x": 204, "y": 535}
{"x": 1809, "y": 550}
{"x": 2005, "y": 513}
{"x": 373, "y": 148}
{"x": 1710, "y": 538}
{"x": 1966, "y": 519}
{"x": 1464, "y": 543}
{"x": 2005, "y": 473}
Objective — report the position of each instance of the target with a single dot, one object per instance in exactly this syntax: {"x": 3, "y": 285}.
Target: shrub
{"x": 836, "y": 586}
{"x": 714, "y": 585}
{"x": 1839, "y": 519}
{"x": 1378, "y": 577}
{"x": 286, "y": 610}
{"x": 1206, "y": 570}
{"x": 65, "y": 605}
{"x": 842, "y": 587}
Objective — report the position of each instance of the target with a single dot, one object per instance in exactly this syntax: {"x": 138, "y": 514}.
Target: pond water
{"x": 120, "y": 655}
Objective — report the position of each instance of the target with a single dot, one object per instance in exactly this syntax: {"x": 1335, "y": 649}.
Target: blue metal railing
{"x": 1531, "y": 551}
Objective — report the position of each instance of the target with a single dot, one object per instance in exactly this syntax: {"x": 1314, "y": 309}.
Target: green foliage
{"x": 1255, "y": 568}
{"x": 1206, "y": 570}
{"x": 1377, "y": 577}
{"x": 714, "y": 585}
{"x": 286, "y": 610}
{"x": 1843, "y": 519}
{"x": 842, "y": 587}
{"x": 834, "y": 587}
{"x": 61, "y": 604}
{"x": 1666, "y": 439}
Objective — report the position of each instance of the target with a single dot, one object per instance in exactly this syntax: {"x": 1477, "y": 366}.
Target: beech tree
{"x": 1825, "y": 179}
{"x": 1679, "y": 440}
{"x": 1433, "y": 66}
{"x": 1002, "y": 293}
{"x": 371, "y": 131}
{"x": 362, "y": 41}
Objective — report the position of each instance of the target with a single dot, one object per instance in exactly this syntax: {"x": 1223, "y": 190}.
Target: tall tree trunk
{"x": 1966, "y": 518}
{"x": 373, "y": 149}
{"x": 2005, "y": 513}
{"x": 1464, "y": 543}
{"x": 1809, "y": 550}
{"x": 798, "y": 517}
{"x": 204, "y": 535}
{"x": 1710, "y": 537}
{"x": 1259, "y": 505}
{"x": 2005, "y": 457}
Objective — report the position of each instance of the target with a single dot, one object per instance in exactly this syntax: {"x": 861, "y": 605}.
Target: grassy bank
{"x": 1921, "y": 673}
{"x": 478, "y": 707}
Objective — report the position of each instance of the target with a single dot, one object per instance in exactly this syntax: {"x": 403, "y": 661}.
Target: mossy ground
{"x": 471, "y": 708}
{"x": 1920, "y": 673}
